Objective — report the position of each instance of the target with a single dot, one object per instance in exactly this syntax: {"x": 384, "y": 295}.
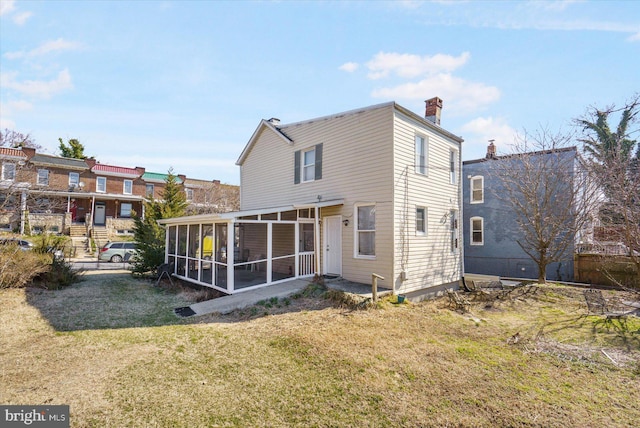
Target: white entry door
{"x": 332, "y": 245}
{"x": 99, "y": 217}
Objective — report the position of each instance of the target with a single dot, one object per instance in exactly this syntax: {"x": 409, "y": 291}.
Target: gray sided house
{"x": 491, "y": 231}
{"x": 372, "y": 190}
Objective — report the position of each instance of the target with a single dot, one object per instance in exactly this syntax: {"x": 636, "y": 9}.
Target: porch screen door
{"x": 332, "y": 245}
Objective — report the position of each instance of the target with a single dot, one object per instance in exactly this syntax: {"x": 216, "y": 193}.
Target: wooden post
{"x": 374, "y": 285}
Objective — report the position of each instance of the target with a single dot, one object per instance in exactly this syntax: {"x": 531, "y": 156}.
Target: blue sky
{"x": 184, "y": 84}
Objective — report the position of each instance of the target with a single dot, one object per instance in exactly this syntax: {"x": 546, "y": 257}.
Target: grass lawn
{"x": 111, "y": 347}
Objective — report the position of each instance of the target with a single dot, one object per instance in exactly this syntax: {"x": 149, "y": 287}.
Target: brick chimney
{"x": 29, "y": 152}
{"x": 91, "y": 162}
{"x": 491, "y": 150}
{"x": 433, "y": 110}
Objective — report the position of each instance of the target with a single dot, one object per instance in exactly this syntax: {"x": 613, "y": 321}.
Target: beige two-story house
{"x": 372, "y": 190}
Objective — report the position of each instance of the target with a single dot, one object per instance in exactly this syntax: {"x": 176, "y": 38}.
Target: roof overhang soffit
{"x": 264, "y": 124}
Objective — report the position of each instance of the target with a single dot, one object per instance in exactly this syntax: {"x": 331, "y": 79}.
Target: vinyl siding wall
{"x": 357, "y": 166}
{"x": 427, "y": 259}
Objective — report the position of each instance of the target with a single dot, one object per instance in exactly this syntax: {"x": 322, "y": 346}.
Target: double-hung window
{"x": 308, "y": 164}
{"x": 453, "y": 160}
{"x": 101, "y": 184}
{"x": 477, "y": 230}
{"x": 74, "y": 179}
{"x": 149, "y": 190}
{"x": 43, "y": 177}
{"x": 189, "y": 194}
{"x": 8, "y": 171}
{"x": 365, "y": 231}
{"x": 421, "y": 221}
{"x": 127, "y": 187}
{"x": 422, "y": 156}
{"x": 125, "y": 210}
{"x": 477, "y": 189}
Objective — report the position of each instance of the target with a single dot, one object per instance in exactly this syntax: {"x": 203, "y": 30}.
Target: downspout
{"x": 461, "y": 217}
{"x": 316, "y": 240}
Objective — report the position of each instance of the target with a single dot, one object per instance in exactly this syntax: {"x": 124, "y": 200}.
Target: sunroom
{"x": 240, "y": 251}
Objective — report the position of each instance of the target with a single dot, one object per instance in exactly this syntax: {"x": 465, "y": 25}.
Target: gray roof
{"x": 69, "y": 163}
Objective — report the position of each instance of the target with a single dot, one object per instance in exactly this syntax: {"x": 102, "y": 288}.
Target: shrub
{"x": 18, "y": 268}
{"x": 60, "y": 274}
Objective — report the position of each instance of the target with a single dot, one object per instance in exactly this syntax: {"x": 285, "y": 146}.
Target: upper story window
{"x": 127, "y": 187}
{"x": 421, "y": 154}
{"x": 453, "y": 161}
{"x": 477, "y": 190}
{"x": 189, "y": 193}
{"x": 477, "y": 230}
{"x": 421, "y": 221}
{"x": 101, "y": 184}
{"x": 365, "y": 244}
{"x": 308, "y": 164}
{"x": 43, "y": 177}
{"x": 149, "y": 190}
{"x": 8, "y": 171}
{"x": 74, "y": 179}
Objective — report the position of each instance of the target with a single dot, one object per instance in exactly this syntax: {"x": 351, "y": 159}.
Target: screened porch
{"x": 234, "y": 252}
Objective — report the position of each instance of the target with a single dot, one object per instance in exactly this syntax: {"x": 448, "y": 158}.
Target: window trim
{"x": 453, "y": 167}
{"x": 471, "y": 190}
{"x": 425, "y": 218}
{"x": 46, "y": 178}
{"x": 124, "y": 187}
{"x": 188, "y": 194}
{"x": 146, "y": 190}
{"x": 304, "y": 166}
{"x": 130, "y": 209}
{"x": 98, "y": 180}
{"x": 75, "y": 174}
{"x": 357, "y": 231}
{"x": 5, "y": 170}
{"x": 422, "y": 169}
{"x": 471, "y": 231}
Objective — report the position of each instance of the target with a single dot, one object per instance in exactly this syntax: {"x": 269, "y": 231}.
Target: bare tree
{"x": 544, "y": 188}
{"x": 215, "y": 197}
{"x": 14, "y": 139}
{"x": 614, "y": 163}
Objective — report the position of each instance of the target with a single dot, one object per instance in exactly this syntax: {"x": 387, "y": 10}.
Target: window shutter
{"x": 296, "y": 168}
{"x": 318, "y": 161}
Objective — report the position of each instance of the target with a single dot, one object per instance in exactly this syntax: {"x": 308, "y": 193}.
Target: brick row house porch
{"x": 79, "y": 197}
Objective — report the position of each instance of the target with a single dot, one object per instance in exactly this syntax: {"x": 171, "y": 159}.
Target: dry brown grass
{"x": 312, "y": 362}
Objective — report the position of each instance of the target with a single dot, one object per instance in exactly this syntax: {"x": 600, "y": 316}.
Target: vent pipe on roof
{"x": 433, "y": 110}
{"x": 274, "y": 121}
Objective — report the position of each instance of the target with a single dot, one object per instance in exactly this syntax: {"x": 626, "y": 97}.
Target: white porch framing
{"x": 228, "y": 263}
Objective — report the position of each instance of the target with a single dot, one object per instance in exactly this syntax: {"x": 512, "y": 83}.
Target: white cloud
{"x": 45, "y": 48}
{"x": 410, "y": 66}
{"x": 479, "y": 131}
{"x": 463, "y": 96}
{"x": 21, "y": 18}
{"x": 37, "y": 88}
{"x": 635, "y": 37}
{"x": 349, "y": 67}
{"x": 7, "y": 6}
